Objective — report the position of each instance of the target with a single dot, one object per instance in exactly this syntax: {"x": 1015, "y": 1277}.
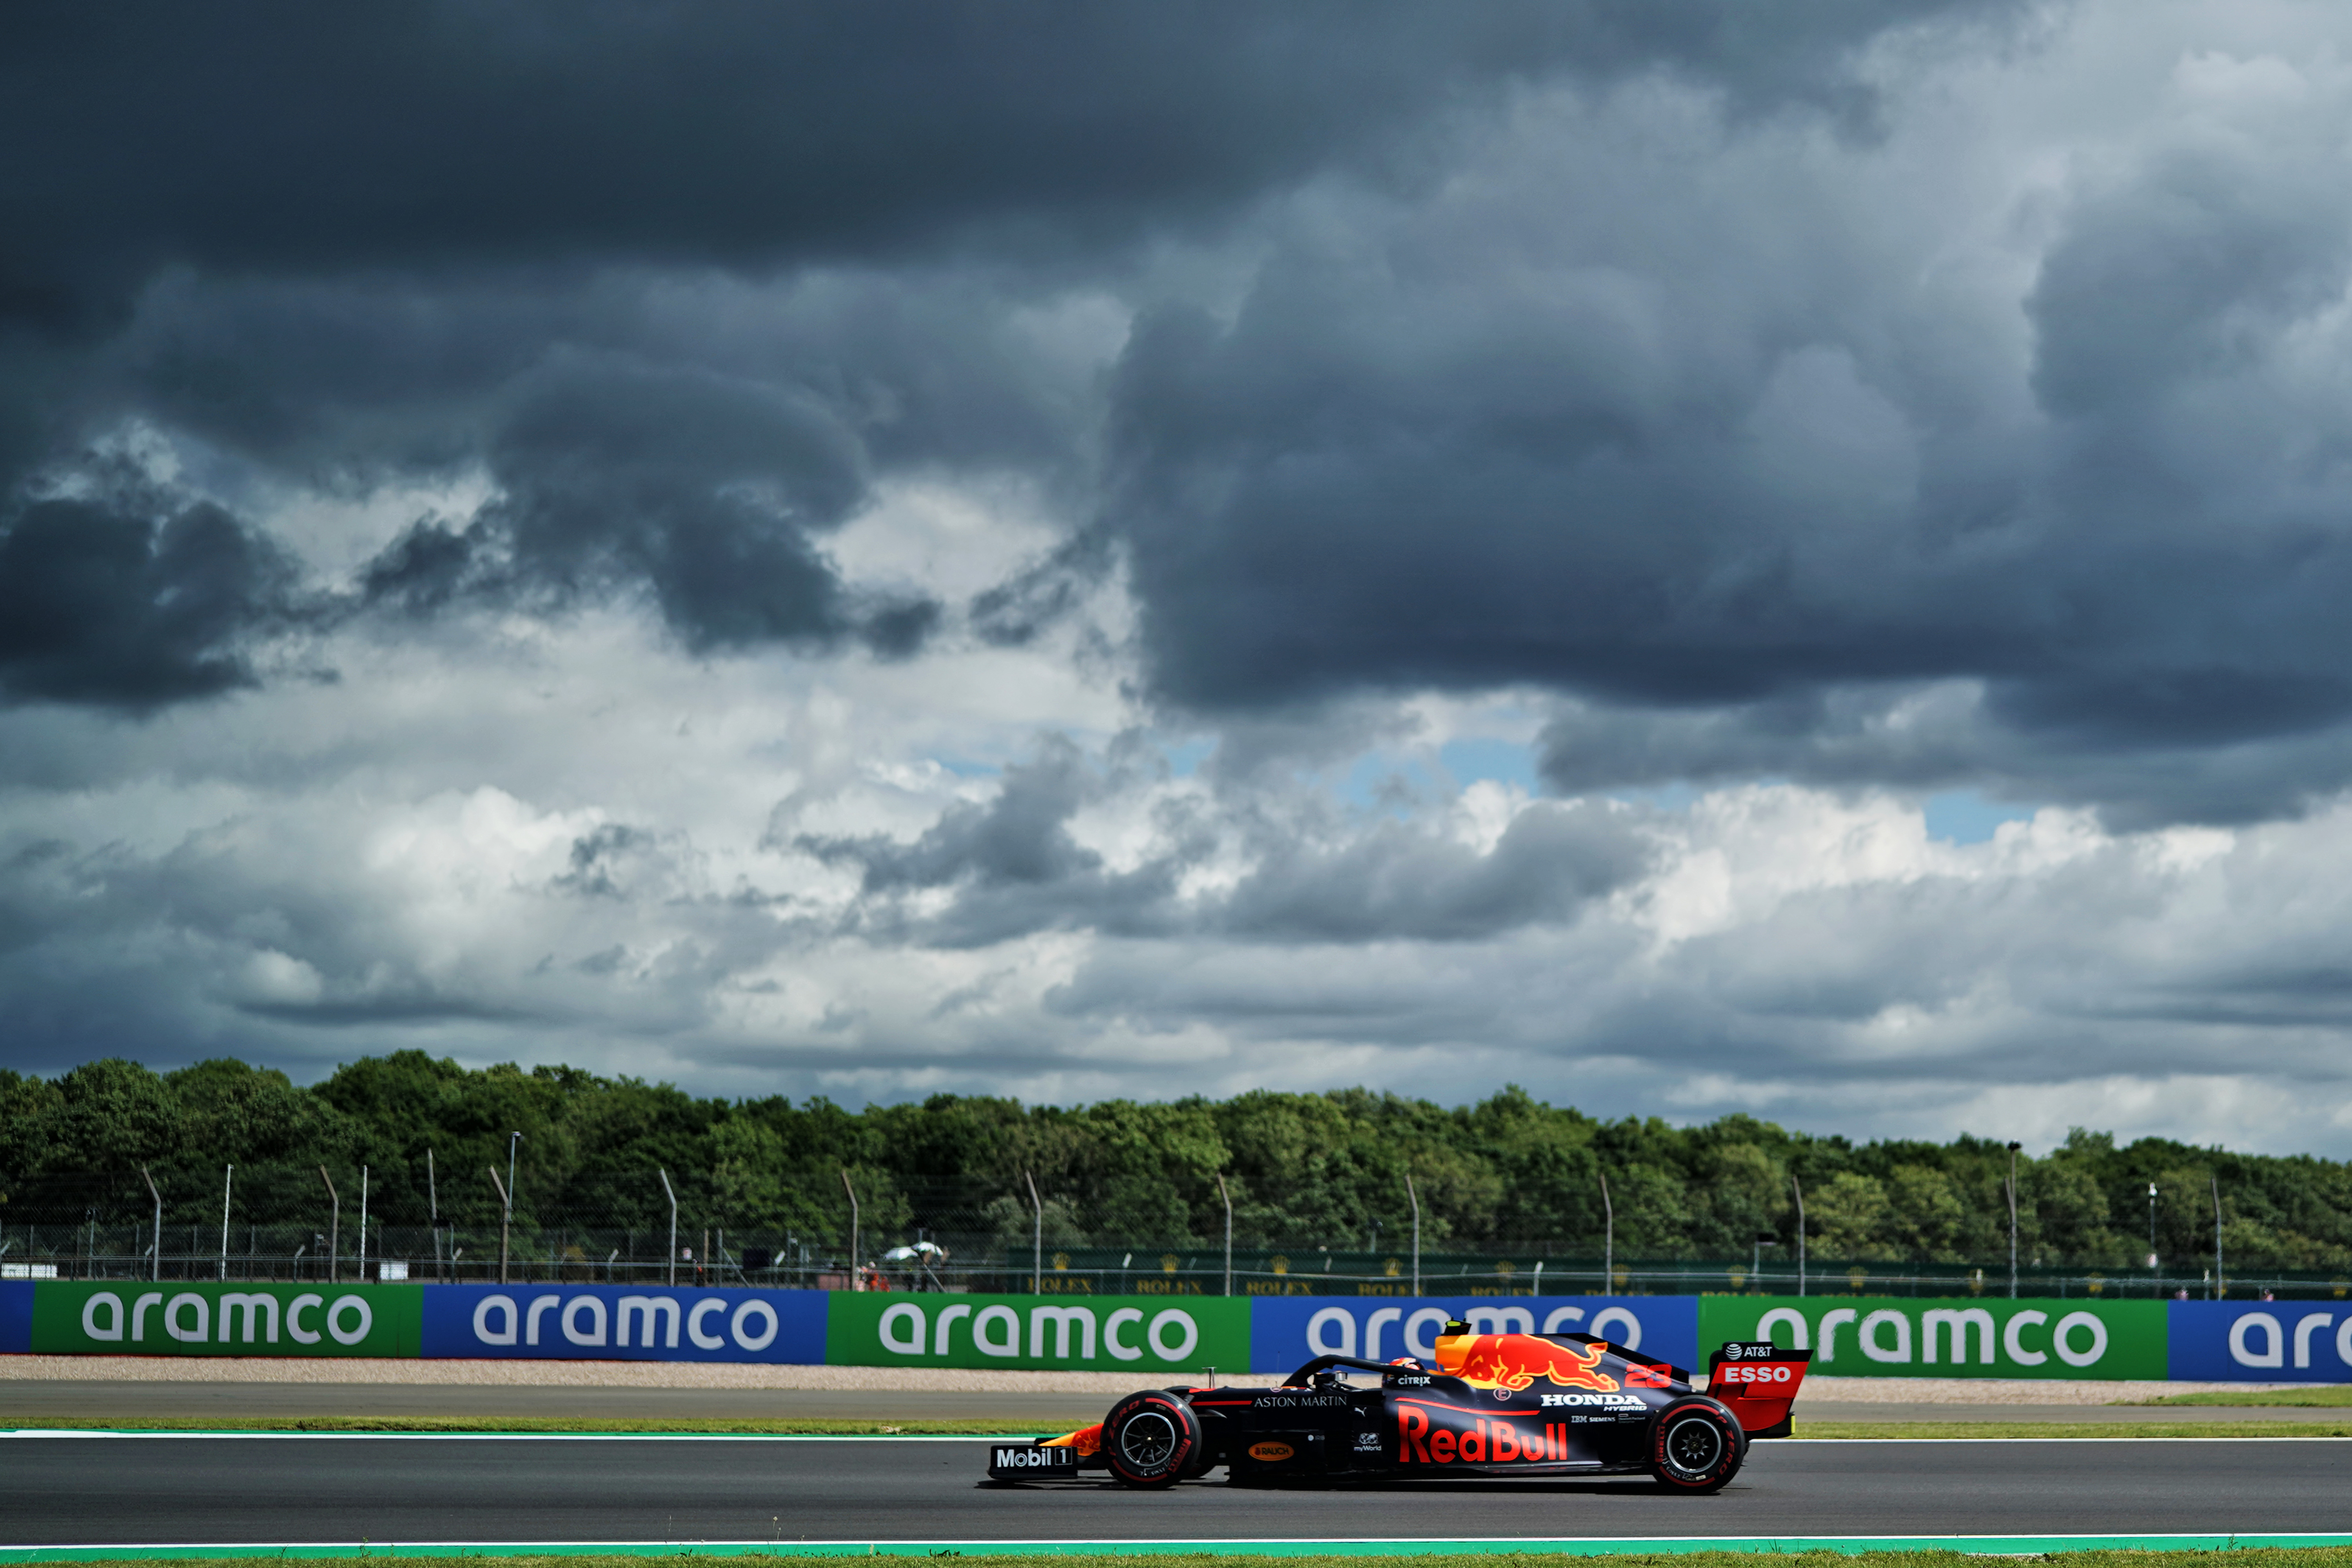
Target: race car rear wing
{"x": 1757, "y": 1383}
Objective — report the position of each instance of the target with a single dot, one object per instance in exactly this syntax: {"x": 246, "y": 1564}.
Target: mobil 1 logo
{"x": 1010, "y": 1462}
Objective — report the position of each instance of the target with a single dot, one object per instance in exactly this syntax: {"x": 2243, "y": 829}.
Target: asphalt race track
{"x": 45, "y": 1402}
{"x": 307, "y": 1490}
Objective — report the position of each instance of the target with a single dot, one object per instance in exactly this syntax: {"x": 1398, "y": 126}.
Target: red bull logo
{"x": 1421, "y": 1441}
{"x": 1514, "y": 1361}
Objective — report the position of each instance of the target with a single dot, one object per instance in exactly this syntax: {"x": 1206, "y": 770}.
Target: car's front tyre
{"x": 1695, "y": 1446}
{"x": 1150, "y": 1439}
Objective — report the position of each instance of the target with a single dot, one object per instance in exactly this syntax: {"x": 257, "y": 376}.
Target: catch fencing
{"x": 292, "y": 1225}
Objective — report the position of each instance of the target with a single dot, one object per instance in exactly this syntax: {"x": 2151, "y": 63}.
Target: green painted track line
{"x": 1584, "y": 1546}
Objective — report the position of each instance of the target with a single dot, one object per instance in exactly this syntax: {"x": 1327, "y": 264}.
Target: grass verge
{"x": 2325, "y": 1394}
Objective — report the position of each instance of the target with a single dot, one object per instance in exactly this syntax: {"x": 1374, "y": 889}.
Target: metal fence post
{"x": 853, "y": 1227}
{"x": 1798, "y": 1188}
{"x": 2012, "y": 1220}
{"x": 1608, "y": 1236}
{"x": 672, "y": 1192}
{"x": 1229, "y": 1231}
{"x": 433, "y": 1202}
{"x": 506, "y": 1217}
{"x": 159, "y": 1224}
{"x": 1037, "y": 1240}
{"x": 1414, "y": 1199}
{"x": 334, "y": 1223}
{"x": 2220, "y": 1289}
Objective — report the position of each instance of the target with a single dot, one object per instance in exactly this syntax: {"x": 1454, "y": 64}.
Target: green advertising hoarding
{"x": 1876, "y": 1336}
{"x": 130, "y": 1317}
{"x": 1154, "y": 1337}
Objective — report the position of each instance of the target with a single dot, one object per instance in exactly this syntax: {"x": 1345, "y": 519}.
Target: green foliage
{"x": 1509, "y": 1174}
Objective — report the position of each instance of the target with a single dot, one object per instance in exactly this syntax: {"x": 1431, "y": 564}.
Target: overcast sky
{"x": 1691, "y": 556}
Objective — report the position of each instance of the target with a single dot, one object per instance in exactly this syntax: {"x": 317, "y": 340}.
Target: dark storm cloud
{"x": 354, "y": 244}
{"x": 1727, "y": 503}
{"x": 704, "y": 487}
{"x": 292, "y": 138}
{"x": 114, "y": 602}
{"x": 1398, "y": 883}
{"x": 1013, "y": 867}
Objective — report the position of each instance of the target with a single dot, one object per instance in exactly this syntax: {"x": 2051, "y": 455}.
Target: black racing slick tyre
{"x": 1695, "y": 1446}
{"x": 1150, "y": 1439}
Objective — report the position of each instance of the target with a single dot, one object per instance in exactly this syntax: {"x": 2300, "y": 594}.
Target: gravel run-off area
{"x": 740, "y": 1375}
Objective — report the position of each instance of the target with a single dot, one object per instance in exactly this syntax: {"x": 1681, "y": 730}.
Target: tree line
{"x": 1508, "y": 1175}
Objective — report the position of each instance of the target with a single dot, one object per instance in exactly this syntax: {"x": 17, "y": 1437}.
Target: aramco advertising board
{"x": 1161, "y": 1340}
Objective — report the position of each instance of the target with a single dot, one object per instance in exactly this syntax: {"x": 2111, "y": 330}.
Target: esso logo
{"x": 1755, "y": 1375}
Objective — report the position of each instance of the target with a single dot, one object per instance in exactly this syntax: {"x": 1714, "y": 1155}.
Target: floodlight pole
{"x": 433, "y": 1202}
{"x": 364, "y": 1196}
{"x": 227, "y": 1172}
{"x": 2151, "y": 1236}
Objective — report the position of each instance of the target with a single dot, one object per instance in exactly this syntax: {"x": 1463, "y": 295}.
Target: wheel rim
{"x": 1694, "y": 1445}
{"x": 1147, "y": 1441}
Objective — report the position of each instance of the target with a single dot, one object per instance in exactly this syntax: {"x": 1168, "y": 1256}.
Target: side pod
{"x": 1757, "y": 1383}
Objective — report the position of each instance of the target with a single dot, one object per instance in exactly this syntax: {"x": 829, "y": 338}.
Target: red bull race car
{"x": 1494, "y": 1404}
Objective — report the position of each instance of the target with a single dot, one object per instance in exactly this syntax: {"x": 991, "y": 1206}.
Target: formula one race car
{"x": 1494, "y": 1404}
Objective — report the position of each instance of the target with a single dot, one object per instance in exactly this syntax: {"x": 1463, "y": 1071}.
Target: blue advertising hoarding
{"x": 622, "y": 1322}
{"x": 1288, "y": 1331}
{"x": 15, "y": 1317}
{"x": 2260, "y": 1342}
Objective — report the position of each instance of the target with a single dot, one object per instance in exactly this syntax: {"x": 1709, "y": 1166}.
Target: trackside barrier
{"x": 15, "y": 1317}
{"x": 1159, "y": 1337}
{"x": 1286, "y": 1331}
{"x": 2261, "y": 1342}
{"x": 622, "y": 1322}
{"x": 1152, "y": 1336}
{"x": 1865, "y": 1336}
{"x": 134, "y": 1318}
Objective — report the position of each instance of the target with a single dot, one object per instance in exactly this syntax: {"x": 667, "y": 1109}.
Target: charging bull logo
{"x": 1515, "y": 1360}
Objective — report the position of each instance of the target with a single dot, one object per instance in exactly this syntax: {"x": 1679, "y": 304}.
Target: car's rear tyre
{"x": 1150, "y": 1439}
{"x": 1695, "y": 1446}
